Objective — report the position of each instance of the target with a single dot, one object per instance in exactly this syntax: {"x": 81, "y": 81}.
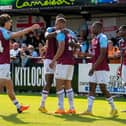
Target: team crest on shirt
{"x": 94, "y": 43}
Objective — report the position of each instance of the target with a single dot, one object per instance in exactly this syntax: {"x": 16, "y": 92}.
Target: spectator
{"x": 36, "y": 40}
{"x": 33, "y": 56}
{"x": 116, "y": 39}
{"x": 113, "y": 53}
{"x": 14, "y": 53}
{"x": 83, "y": 48}
{"x": 24, "y": 53}
{"x": 32, "y": 51}
{"x": 29, "y": 39}
{"x": 11, "y": 42}
{"x": 42, "y": 50}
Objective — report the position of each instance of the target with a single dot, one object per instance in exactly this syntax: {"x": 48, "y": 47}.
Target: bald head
{"x": 97, "y": 27}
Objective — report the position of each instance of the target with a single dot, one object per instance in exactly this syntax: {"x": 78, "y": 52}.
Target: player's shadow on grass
{"x": 117, "y": 119}
{"x": 86, "y": 118}
{"x": 13, "y": 119}
{"x": 76, "y": 117}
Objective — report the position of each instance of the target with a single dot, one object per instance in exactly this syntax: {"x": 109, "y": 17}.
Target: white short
{"x": 5, "y": 71}
{"x": 47, "y": 69}
{"x": 100, "y": 77}
{"x": 64, "y": 72}
{"x": 124, "y": 73}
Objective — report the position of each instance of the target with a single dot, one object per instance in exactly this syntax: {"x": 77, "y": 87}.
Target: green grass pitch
{"x": 32, "y": 117}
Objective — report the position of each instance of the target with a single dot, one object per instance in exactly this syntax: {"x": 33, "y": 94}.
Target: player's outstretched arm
{"x": 25, "y": 31}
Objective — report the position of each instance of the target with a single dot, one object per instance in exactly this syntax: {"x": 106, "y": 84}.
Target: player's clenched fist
{"x": 35, "y": 26}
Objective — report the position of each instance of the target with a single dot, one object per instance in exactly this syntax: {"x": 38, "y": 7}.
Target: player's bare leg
{"x": 9, "y": 87}
{"x": 110, "y": 100}
{"x": 92, "y": 89}
{"x": 45, "y": 92}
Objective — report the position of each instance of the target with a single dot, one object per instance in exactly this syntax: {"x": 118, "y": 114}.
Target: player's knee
{"x": 10, "y": 93}
{"x": 92, "y": 90}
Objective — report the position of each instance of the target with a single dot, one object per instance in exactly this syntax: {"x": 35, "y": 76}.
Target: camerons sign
{"x": 42, "y": 3}
{"x": 20, "y": 4}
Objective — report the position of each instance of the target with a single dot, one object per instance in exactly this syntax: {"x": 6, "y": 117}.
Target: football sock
{"x": 44, "y": 96}
{"x": 16, "y": 103}
{"x": 111, "y": 102}
{"x": 90, "y": 103}
{"x": 60, "y": 99}
{"x": 70, "y": 96}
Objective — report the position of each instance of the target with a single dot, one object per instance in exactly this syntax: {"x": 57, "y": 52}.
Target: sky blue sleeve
{"x": 60, "y": 37}
{"x": 6, "y": 34}
{"x": 83, "y": 48}
{"x": 72, "y": 33}
{"x": 103, "y": 42}
{"x": 49, "y": 29}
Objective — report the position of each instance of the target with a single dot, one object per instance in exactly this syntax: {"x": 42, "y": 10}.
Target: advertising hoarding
{"x": 115, "y": 85}
{"x": 20, "y": 4}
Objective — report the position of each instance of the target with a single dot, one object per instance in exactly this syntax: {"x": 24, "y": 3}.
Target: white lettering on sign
{"x": 28, "y": 76}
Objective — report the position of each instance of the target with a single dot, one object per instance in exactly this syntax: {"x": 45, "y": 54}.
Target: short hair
{"x": 98, "y": 23}
{"x": 123, "y": 27}
{"x": 60, "y": 16}
{"x": 63, "y": 20}
{"x": 4, "y": 18}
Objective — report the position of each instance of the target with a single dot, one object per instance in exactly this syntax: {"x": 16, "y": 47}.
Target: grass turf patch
{"x": 32, "y": 117}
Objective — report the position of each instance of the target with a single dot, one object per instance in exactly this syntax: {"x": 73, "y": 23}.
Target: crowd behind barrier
{"x": 31, "y": 48}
